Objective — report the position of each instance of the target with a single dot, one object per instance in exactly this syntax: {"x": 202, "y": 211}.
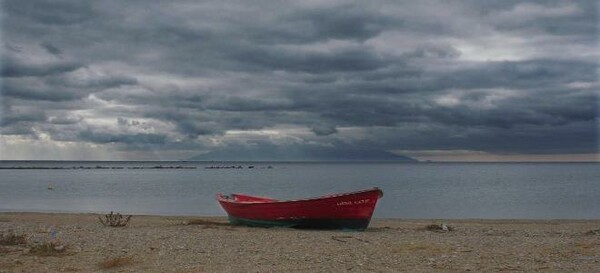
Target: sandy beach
{"x": 209, "y": 244}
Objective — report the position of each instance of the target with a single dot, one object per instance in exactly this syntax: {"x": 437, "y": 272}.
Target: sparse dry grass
{"x": 12, "y": 239}
{"x": 116, "y": 262}
{"x": 48, "y": 249}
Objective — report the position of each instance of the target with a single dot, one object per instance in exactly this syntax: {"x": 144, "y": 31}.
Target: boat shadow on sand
{"x": 217, "y": 224}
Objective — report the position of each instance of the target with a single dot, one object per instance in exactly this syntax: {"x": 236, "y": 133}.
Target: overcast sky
{"x": 442, "y": 80}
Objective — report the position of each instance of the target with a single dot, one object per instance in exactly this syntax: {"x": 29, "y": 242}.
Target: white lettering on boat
{"x": 356, "y": 202}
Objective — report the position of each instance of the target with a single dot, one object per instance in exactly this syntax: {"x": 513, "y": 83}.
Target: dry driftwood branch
{"x": 341, "y": 238}
{"x": 114, "y": 220}
{"x": 439, "y": 228}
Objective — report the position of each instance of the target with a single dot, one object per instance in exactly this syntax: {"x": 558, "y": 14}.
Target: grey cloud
{"x": 560, "y": 18}
{"x": 195, "y": 128}
{"x": 126, "y": 122}
{"x": 65, "y": 119}
{"x": 50, "y": 12}
{"x": 23, "y": 129}
{"x": 521, "y": 74}
{"x": 323, "y": 130}
{"x": 12, "y": 67}
{"x": 261, "y": 151}
{"x": 51, "y": 48}
{"x": 102, "y": 82}
{"x": 138, "y": 138}
{"x": 340, "y": 22}
{"x": 201, "y": 69}
{"x": 21, "y": 121}
{"x": 239, "y": 104}
{"x": 17, "y": 115}
{"x": 339, "y": 60}
{"x": 24, "y": 92}
{"x": 519, "y": 139}
{"x": 189, "y": 124}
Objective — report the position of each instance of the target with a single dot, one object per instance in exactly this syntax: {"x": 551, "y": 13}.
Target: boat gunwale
{"x": 221, "y": 199}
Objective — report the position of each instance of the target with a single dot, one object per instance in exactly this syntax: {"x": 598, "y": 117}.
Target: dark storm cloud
{"x": 60, "y": 88}
{"x": 582, "y": 13}
{"x": 342, "y": 22}
{"x": 15, "y": 68}
{"x": 51, "y": 48}
{"x": 20, "y": 115}
{"x": 343, "y": 60}
{"x": 101, "y": 137}
{"x": 98, "y": 82}
{"x": 323, "y": 130}
{"x": 21, "y": 121}
{"x": 194, "y": 128}
{"x": 498, "y": 77}
{"x": 50, "y": 12}
{"x": 540, "y": 73}
{"x": 519, "y": 139}
{"x": 238, "y": 104}
{"x": 265, "y": 151}
{"x": 15, "y": 90}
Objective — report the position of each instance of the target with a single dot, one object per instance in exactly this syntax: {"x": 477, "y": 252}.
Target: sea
{"x": 411, "y": 190}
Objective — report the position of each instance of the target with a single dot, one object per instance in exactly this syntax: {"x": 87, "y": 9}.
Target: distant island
{"x": 275, "y": 153}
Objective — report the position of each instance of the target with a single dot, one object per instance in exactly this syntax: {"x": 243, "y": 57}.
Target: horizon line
{"x": 301, "y": 161}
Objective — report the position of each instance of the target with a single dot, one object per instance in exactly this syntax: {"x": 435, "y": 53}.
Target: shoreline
{"x": 223, "y": 217}
{"x": 152, "y": 243}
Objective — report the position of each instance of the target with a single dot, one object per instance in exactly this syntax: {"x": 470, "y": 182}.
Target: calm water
{"x": 425, "y": 190}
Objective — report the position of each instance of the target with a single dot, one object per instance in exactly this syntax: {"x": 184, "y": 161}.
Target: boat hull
{"x": 351, "y": 211}
{"x": 343, "y": 224}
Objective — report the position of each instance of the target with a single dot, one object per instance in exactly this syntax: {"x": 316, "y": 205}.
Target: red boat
{"x": 351, "y": 210}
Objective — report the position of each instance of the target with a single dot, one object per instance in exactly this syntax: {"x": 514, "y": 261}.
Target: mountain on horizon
{"x": 275, "y": 153}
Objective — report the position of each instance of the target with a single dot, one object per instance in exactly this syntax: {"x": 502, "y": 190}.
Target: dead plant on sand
{"x": 114, "y": 220}
{"x": 439, "y": 228}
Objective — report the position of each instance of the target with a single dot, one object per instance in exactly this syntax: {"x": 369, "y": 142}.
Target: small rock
{"x": 444, "y": 227}
{"x": 586, "y": 258}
